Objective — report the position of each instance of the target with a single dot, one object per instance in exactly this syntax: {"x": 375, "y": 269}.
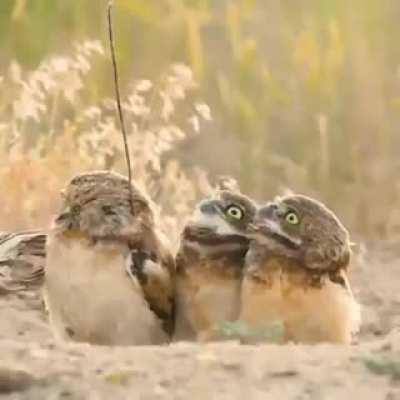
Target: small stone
{"x": 65, "y": 393}
{"x": 231, "y": 365}
{"x": 386, "y": 346}
{"x": 284, "y": 374}
{"x": 14, "y": 380}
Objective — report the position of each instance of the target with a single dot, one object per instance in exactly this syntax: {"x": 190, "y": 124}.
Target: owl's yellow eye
{"x": 292, "y": 218}
{"x": 234, "y": 212}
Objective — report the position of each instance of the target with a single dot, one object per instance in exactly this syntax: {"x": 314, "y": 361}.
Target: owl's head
{"x": 225, "y": 213}
{"x": 302, "y": 229}
{"x": 98, "y": 203}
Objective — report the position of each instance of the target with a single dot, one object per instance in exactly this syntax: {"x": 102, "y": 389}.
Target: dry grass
{"x": 305, "y": 95}
{"x": 51, "y": 132}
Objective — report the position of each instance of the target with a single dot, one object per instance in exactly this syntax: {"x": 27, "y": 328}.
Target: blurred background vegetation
{"x": 305, "y": 95}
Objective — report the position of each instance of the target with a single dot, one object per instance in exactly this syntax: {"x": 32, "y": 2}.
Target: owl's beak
{"x": 265, "y": 222}
{"x": 260, "y": 227}
{"x": 252, "y": 228}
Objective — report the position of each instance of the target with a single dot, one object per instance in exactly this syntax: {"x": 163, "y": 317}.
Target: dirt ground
{"x": 33, "y": 366}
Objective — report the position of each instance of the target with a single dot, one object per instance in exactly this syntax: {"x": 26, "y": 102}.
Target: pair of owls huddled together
{"x": 110, "y": 277}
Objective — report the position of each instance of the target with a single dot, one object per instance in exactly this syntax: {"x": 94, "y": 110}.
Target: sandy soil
{"x": 34, "y": 366}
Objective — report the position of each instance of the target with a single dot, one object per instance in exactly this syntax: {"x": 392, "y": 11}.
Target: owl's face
{"x": 227, "y": 213}
{"x": 304, "y": 229}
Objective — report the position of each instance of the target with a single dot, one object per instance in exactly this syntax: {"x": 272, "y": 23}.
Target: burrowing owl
{"x": 209, "y": 265}
{"x": 296, "y": 272}
{"x": 22, "y": 257}
{"x": 108, "y": 275}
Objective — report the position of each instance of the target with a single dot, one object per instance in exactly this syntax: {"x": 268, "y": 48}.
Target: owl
{"x": 209, "y": 265}
{"x": 296, "y": 273}
{"x": 109, "y": 275}
{"x": 22, "y": 257}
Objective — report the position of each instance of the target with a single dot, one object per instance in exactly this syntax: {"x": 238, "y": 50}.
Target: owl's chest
{"x": 79, "y": 267}
{"x": 267, "y": 287}
{"x": 208, "y": 294}
{"x": 312, "y": 308}
{"x": 90, "y": 296}
{"x": 261, "y": 295}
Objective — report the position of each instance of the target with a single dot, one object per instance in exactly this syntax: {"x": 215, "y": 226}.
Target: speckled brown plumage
{"x": 109, "y": 273}
{"x": 22, "y": 258}
{"x": 296, "y": 272}
{"x": 209, "y": 265}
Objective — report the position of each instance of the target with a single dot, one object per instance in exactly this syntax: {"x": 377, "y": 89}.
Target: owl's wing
{"x": 155, "y": 275}
{"x": 340, "y": 278}
{"x": 22, "y": 258}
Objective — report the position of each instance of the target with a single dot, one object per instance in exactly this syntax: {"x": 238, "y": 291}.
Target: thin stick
{"x": 118, "y": 99}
